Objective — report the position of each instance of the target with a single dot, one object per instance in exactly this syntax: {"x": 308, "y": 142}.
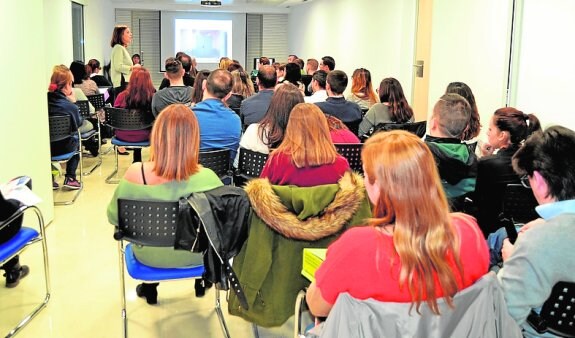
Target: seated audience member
{"x": 136, "y": 59}
{"x": 59, "y": 104}
{"x": 82, "y": 80}
{"x": 194, "y": 67}
{"x": 413, "y": 250}
{"x": 220, "y": 127}
{"x": 293, "y": 76}
{"x": 301, "y": 65}
{"x": 306, "y": 157}
{"x": 291, "y": 58}
{"x": 269, "y": 133}
{"x": 457, "y": 165}
{"x": 281, "y": 72}
{"x": 362, "y": 91}
{"x": 242, "y": 89}
{"x": 508, "y": 129}
{"x": 198, "y": 91}
{"x": 172, "y": 172}
{"x": 318, "y": 83}
{"x": 393, "y": 107}
{"x": 14, "y": 272}
{"x": 138, "y": 95}
{"x": 474, "y": 126}
{"x": 327, "y": 64}
{"x": 101, "y": 80}
{"x": 263, "y": 61}
{"x": 253, "y": 108}
{"x": 311, "y": 67}
{"x": 543, "y": 253}
{"x": 224, "y": 63}
{"x": 339, "y": 132}
{"x": 235, "y": 65}
{"x": 177, "y": 92}
{"x": 188, "y": 78}
{"x": 336, "y": 105}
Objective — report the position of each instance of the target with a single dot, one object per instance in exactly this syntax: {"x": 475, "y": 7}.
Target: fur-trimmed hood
{"x": 340, "y": 210}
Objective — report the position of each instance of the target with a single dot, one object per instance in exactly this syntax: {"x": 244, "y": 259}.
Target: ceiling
{"x": 231, "y": 3}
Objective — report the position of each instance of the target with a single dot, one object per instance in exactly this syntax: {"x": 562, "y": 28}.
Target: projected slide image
{"x": 206, "y": 40}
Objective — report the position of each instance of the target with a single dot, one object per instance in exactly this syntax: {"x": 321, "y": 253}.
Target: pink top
{"x": 343, "y": 136}
{"x": 280, "y": 170}
{"x": 363, "y": 263}
{"x": 129, "y": 135}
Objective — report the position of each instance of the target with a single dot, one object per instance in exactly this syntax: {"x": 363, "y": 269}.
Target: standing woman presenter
{"x": 121, "y": 61}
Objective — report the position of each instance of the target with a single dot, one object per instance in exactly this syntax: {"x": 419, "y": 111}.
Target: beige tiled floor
{"x": 85, "y": 298}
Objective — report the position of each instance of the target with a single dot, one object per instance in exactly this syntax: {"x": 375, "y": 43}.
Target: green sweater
{"x": 269, "y": 264}
{"x": 163, "y": 257}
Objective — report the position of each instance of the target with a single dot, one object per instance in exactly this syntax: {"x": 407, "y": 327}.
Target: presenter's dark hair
{"x": 117, "y": 35}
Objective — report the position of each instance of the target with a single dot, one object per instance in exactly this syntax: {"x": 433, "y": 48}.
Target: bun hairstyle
{"x": 173, "y": 66}
{"x": 518, "y": 124}
{"x": 61, "y": 76}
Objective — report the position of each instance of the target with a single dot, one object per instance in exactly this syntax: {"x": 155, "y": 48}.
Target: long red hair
{"x": 140, "y": 89}
{"x": 411, "y": 198}
{"x": 361, "y": 85}
{"x": 175, "y": 143}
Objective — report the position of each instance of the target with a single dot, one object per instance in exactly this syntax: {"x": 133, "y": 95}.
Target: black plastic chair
{"x": 61, "y": 129}
{"x": 352, "y": 152}
{"x": 557, "y": 315}
{"x": 126, "y": 119}
{"x": 97, "y": 100}
{"x": 219, "y": 161}
{"x": 152, "y": 223}
{"x": 14, "y": 246}
{"x": 250, "y": 165}
{"x": 84, "y": 108}
{"x": 519, "y": 204}
{"x": 417, "y": 128}
{"x": 353, "y": 126}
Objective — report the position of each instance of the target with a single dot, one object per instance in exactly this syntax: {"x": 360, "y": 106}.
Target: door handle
{"x": 419, "y": 65}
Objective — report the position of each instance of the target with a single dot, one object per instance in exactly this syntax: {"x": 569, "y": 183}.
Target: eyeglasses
{"x": 525, "y": 181}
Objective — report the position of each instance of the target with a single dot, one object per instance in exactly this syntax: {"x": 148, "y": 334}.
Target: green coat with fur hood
{"x": 284, "y": 221}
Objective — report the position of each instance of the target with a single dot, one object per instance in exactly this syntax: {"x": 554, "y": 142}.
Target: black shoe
{"x": 13, "y": 276}
{"x": 201, "y": 285}
{"x": 149, "y": 291}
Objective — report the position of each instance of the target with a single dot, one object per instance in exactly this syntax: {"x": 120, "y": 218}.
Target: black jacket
{"x": 215, "y": 222}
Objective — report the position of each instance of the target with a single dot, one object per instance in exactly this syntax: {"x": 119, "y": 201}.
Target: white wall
{"x": 545, "y": 70}
{"x": 99, "y": 23}
{"x": 470, "y": 44}
{"x": 24, "y": 140}
{"x": 376, "y": 35}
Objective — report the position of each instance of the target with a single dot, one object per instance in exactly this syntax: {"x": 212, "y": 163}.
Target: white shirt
{"x": 319, "y": 96}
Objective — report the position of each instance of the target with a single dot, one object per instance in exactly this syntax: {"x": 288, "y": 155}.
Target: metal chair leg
{"x": 255, "y": 330}
{"x": 44, "y": 303}
{"x": 123, "y": 290}
{"x": 218, "y": 309}
{"x": 112, "y": 179}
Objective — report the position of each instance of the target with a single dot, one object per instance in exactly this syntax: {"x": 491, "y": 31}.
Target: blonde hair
{"x": 307, "y": 139}
{"x": 411, "y": 198}
{"x": 225, "y": 62}
{"x": 175, "y": 143}
{"x": 61, "y": 76}
{"x": 242, "y": 84}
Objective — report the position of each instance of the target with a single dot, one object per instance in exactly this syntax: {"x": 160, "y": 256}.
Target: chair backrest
{"x": 60, "y": 127}
{"x": 218, "y": 160}
{"x": 353, "y": 126}
{"x": 147, "y": 222}
{"x": 84, "y": 107}
{"x": 251, "y": 163}
{"x": 417, "y": 128}
{"x": 558, "y": 312}
{"x": 128, "y": 119}
{"x": 352, "y": 152}
{"x": 97, "y": 100}
{"x": 519, "y": 203}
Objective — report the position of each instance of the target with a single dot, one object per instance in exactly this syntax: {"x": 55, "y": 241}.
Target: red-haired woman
{"x": 414, "y": 250}
{"x": 306, "y": 157}
{"x": 138, "y": 95}
{"x": 362, "y": 91}
{"x": 172, "y": 172}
